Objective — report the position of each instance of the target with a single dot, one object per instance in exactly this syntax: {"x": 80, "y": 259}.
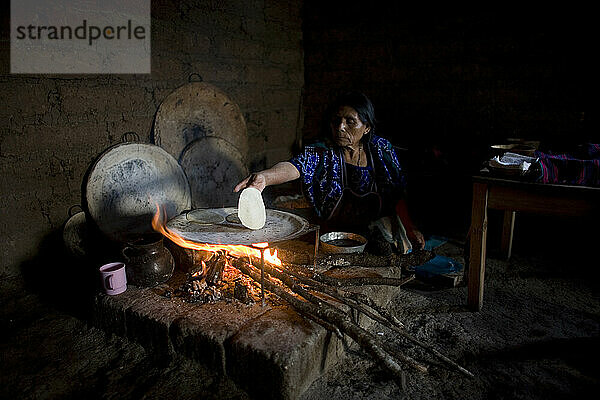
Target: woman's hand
{"x": 414, "y": 235}
{"x": 256, "y": 180}
{"x": 416, "y": 239}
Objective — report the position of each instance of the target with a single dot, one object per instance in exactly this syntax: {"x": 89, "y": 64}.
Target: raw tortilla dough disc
{"x": 251, "y": 209}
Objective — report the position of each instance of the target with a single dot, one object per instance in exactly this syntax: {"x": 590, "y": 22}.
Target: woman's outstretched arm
{"x": 281, "y": 172}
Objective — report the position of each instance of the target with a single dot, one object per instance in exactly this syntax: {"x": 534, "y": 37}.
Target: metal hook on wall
{"x": 130, "y": 136}
{"x": 72, "y": 209}
{"x": 194, "y": 74}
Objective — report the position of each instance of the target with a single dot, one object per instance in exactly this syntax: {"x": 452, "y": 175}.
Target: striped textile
{"x": 580, "y": 168}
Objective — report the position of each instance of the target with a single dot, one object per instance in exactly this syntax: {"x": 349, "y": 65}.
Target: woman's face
{"x": 347, "y": 128}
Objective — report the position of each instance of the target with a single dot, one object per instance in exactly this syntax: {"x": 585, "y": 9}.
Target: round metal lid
{"x": 280, "y": 225}
{"x": 127, "y": 182}
{"x": 213, "y": 167}
{"x": 197, "y": 110}
{"x": 75, "y": 234}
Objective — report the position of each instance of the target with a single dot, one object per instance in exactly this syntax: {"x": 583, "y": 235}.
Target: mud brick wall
{"x": 53, "y": 126}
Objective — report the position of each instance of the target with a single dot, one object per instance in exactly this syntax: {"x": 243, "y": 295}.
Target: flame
{"x": 159, "y": 225}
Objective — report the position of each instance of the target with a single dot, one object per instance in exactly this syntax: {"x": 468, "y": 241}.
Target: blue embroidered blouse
{"x": 320, "y": 173}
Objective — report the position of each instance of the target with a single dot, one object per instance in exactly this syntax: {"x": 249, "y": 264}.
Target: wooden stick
{"x": 330, "y": 327}
{"x": 355, "y": 281}
{"x": 352, "y": 299}
{"x": 384, "y": 318}
{"x": 334, "y": 316}
{"x": 417, "y": 257}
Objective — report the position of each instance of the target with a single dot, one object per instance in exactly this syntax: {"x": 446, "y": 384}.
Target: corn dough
{"x": 251, "y": 208}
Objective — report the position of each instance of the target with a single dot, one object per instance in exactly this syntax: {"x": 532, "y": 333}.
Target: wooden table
{"x": 511, "y": 196}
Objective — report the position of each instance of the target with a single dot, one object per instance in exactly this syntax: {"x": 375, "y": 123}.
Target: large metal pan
{"x": 226, "y": 228}
{"x": 213, "y": 167}
{"x": 196, "y": 110}
{"x": 126, "y": 183}
{"x": 75, "y": 233}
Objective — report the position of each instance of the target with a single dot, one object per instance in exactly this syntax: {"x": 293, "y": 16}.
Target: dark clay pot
{"x": 147, "y": 261}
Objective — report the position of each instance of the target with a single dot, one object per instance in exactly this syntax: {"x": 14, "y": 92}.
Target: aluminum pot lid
{"x": 280, "y": 226}
{"x": 213, "y": 167}
{"x": 75, "y": 234}
{"x": 127, "y": 182}
{"x": 196, "y": 110}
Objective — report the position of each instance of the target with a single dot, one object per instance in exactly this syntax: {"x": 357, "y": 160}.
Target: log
{"x": 354, "y": 281}
{"x": 406, "y": 261}
{"x": 216, "y": 265}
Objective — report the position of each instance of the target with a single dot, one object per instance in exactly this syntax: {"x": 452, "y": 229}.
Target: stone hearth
{"x": 270, "y": 351}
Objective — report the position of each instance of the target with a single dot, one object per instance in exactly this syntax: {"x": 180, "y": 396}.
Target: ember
{"x": 216, "y": 279}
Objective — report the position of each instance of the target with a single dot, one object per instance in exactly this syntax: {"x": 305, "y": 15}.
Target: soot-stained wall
{"x": 54, "y": 126}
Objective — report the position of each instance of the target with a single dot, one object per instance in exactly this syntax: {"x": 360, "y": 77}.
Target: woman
{"x": 353, "y": 182}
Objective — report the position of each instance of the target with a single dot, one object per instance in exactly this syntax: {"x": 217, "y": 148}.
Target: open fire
{"x": 159, "y": 225}
{"x": 215, "y": 277}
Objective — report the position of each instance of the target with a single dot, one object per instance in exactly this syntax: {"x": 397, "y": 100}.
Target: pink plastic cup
{"x": 114, "y": 280}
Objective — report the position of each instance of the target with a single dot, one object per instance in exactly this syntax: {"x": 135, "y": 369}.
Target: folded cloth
{"x": 512, "y": 161}
{"x": 393, "y": 232}
{"x": 580, "y": 168}
{"x": 431, "y": 242}
{"x": 438, "y": 265}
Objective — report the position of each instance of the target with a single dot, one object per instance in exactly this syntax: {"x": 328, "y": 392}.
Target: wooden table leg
{"x": 478, "y": 234}
{"x": 508, "y": 227}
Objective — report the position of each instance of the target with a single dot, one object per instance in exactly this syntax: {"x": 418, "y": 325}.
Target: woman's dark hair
{"x": 358, "y": 101}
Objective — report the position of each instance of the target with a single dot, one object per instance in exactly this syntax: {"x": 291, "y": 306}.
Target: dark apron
{"x": 354, "y": 211}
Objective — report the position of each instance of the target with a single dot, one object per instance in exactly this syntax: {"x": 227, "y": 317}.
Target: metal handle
{"x": 195, "y": 74}
{"x": 71, "y": 213}
{"x": 123, "y": 252}
{"x": 127, "y": 137}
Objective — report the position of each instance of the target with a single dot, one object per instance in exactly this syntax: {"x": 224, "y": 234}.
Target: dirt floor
{"x": 537, "y": 337}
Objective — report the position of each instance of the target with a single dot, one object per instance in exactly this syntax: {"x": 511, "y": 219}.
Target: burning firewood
{"x": 241, "y": 292}
{"x": 216, "y": 265}
{"x": 216, "y": 279}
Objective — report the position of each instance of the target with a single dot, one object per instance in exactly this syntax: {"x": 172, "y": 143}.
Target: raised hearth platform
{"x": 271, "y": 352}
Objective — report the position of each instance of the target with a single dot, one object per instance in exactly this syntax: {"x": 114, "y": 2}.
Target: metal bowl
{"x": 342, "y": 242}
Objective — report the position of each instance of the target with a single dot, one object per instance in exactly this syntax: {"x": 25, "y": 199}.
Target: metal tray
{"x": 213, "y": 167}
{"x": 280, "y": 226}
{"x": 196, "y": 110}
{"x": 126, "y": 183}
